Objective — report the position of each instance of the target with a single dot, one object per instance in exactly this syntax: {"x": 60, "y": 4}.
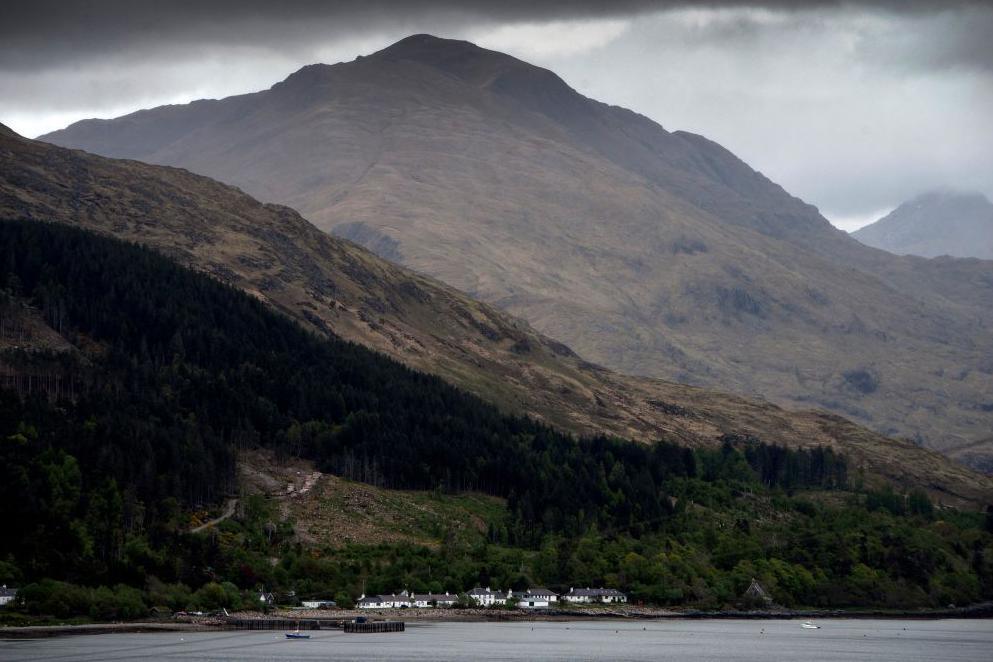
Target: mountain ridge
{"x": 651, "y": 252}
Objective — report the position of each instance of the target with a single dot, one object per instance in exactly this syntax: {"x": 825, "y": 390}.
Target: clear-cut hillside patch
{"x": 328, "y": 511}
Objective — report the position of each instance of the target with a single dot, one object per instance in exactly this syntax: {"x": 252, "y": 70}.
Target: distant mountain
{"x": 651, "y": 252}
{"x": 335, "y": 287}
{"x": 934, "y": 224}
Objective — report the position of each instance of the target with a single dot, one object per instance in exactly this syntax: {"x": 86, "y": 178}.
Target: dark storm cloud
{"x": 854, "y": 106}
{"x": 45, "y": 33}
{"x": 962, "y": 39}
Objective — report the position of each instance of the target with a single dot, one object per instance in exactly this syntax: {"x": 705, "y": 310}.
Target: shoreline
{"x": 980, "y": 611}
{"x": 46, "y": 631}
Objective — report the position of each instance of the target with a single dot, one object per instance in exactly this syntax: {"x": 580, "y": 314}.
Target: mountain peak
{"x": 431, "y": 49}
{"x": 419, "y": 44}
{"x": 461, "y": 59}
{"x": 456, "y": 57}
{"x": 939, "y": 222}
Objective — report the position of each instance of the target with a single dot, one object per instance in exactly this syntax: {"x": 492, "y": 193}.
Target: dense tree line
{"x": 185, "y": 370}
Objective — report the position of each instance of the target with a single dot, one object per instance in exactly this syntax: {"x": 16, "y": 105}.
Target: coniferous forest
{"x": 107, "y": 445}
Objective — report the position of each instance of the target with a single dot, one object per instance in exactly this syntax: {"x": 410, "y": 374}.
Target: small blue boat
{"x": 297, "y": 635}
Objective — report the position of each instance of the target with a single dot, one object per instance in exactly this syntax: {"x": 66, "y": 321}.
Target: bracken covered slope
{"x": 335, "y": 286}
{"x": 651, "y": 252}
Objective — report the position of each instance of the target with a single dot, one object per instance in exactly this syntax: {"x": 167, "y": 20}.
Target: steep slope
{"x": 653, "y": 253}
{"x": 976, "y": 454}
{"x": 334, "y": 286}
{"x": 934, "y": 224}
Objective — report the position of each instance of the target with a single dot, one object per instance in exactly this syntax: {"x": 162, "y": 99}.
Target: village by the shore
{"x": 532, "y": 598}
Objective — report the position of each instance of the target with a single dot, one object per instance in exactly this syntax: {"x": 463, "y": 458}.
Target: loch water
{"x": 724, "y": 640}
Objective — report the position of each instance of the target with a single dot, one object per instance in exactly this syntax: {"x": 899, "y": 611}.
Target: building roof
{"x": 369, "y": 599}
{"x": 393, "y": 597}
{"x": 7, "y": 592}
{"x": 434, "y": 597}
{"x": 539, "y": 593}
{"x": 483, "y": 591}
{"x": 756, "y": 591}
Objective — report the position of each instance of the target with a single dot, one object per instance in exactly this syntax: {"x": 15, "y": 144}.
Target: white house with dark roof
{"x": 537, "y": 598}
{"x": 586, "y": 595}
{"x": 369, "y": 602}
{"x": 7, "y": 595}
{"x": 433, "y": 599}
{"x": 391, "y": 601}
{"x": 484, "y": 597}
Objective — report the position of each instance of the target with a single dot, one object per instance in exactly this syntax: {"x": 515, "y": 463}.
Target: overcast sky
{"x": 852, "y": 106}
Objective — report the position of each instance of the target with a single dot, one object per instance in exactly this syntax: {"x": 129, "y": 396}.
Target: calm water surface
{"x": 722, "y": 640}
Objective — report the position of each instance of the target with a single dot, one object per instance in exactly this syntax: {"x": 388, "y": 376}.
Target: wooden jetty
{"x": 360, "y": 624}
{"x": 283, "y": 623}
{"x": 374, "y": 626}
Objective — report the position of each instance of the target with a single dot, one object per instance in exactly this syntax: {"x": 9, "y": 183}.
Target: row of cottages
{"x": 404, "y": 600}
{"x": 539, "y": 598}
{"x": 584, "y": 595}
{"x": 533, "y": 598}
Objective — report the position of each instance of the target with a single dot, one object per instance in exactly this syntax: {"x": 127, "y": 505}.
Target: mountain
{"x": 651, "y": 252}
{"x": 933, "y": 224}
{"x": 334, "y": 286}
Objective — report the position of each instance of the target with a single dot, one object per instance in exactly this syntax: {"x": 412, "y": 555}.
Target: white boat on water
{"x": 807, "y": 625}
{"x": 296, "y": 634}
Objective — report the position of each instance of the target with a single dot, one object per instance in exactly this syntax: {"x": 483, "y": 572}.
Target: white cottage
{"x": 369, "y": 602}
{"x": 392, "y": 601}
{"x": 433, "y": 599}
{"x": 7, "y": 595}
{"x": 484, "y": 597}
{"x": 537, "y": 598}
{"x": 586, "y": 595}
